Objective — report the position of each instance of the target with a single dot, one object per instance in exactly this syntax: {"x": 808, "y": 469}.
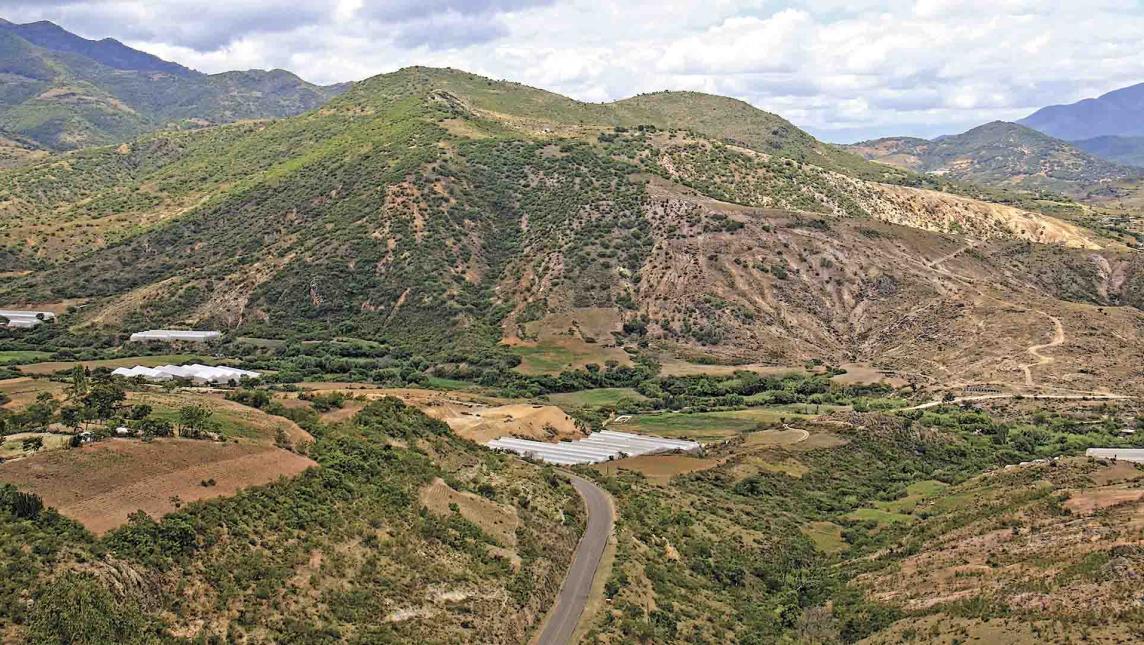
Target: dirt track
{"x": 1035, "y": 350}
{"x": 988, "y": 397}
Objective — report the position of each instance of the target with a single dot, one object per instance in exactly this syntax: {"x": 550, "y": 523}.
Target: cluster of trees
{"x": 97, "y": 402}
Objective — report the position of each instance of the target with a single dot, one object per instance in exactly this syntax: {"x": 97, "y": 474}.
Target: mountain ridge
{"x": 1001, "y": 154}
{"x": 1119, "y": 113}
{"x": 65, "y": 92}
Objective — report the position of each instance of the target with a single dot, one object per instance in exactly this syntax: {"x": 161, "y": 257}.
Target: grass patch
{"x": 827, "y": 536}
{"x": 544, "y": 359}
{"x": 878, "y": 515}
{"x": 916, "y": 493}
{"x": 11, "y": 357}
{"x": 596, "y": 398}
{"x": 707, "y": 425}
{"x": 448, "y": 384}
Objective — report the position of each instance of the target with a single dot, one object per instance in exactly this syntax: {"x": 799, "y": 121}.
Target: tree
{"x": 152, "y": 427}
{"x": 32, "y": 444}
{"x": 79, "y": 382}
{"x": 39, "y": 414}
{"x": 194, "y": 420}
{"x": 103, "y": 399}
{"x": 72, "y": 417}
{"x": 139, "y": 412}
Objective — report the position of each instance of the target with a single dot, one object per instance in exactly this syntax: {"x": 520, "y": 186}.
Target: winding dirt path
{"x": 1035, "y": 350}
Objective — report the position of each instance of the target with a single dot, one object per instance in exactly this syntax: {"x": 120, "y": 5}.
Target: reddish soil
{"x": 101, "y": 484}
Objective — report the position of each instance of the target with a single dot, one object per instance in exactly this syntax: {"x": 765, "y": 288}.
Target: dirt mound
{"x": 481, "y": 423}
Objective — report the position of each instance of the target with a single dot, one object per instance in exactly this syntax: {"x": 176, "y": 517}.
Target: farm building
{"x": 1124, "y": 454}
{"x": 169, "y": 335}
{"x": 598, "y": 447}
{"x": 195, "y": 373}
{"x": 18, "y": 319}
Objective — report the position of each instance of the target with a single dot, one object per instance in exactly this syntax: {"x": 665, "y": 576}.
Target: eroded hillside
{"x": 444, "y": 212}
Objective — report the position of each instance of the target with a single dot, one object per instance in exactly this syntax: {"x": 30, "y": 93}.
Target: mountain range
{"x": 1003, "y": 154}
{"x": 1116, "y": 113}
{"x": 61, "y": 91}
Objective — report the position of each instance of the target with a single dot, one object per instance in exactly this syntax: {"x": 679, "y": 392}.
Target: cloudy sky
{"x": 843, "y": 69}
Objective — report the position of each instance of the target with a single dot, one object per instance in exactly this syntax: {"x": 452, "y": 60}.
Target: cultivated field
{"x": 658, "y": 468}
{"x": 595, "y": 398}
{"x": 51, "y": 367}
{"x": 706, "y": 426}
{"x": 99, "y": 485}
{"x": 23, "y": 391}
{"x": 569, "y": 341}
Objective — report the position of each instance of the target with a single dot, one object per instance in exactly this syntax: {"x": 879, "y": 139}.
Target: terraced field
{"x": 101, "y": 484}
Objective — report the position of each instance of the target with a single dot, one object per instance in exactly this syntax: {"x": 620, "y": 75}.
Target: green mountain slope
{"x": 1002, "y": 154}
{"x": 445, "y": 213}
{"x": 63, "y": 92}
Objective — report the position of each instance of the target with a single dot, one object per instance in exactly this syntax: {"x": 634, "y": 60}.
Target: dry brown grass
{"x": 659, "y": 468}
{"x": 23, "y": 391}
{"x": 497, "y": 521}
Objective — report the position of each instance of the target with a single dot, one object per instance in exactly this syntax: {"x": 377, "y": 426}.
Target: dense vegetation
{"x": 325, "y": 556}
{"x": 723, "y": 555}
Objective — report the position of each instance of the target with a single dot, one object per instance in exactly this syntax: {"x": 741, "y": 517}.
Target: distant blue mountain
{"x": 1124, "y": 150}
{"x": 1118, "y": 113}
{"x": 109, "y": 52}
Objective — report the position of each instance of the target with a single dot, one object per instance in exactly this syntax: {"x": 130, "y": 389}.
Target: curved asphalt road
{"x": 565, "y": 615}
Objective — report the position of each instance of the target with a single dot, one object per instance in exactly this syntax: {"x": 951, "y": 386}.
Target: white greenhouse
{"x": 175, "y": 335}
{"x": 195, "y": 373}
{"x": 597, "y": 447}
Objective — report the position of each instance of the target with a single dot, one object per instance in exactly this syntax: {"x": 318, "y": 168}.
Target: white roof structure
{"x": 175, "y": 334}
{"x": 597, "y": 447}
{"x": 194, "y": 372}
{"x": 1125, "y": 454}
{"x": 18, "y": 319}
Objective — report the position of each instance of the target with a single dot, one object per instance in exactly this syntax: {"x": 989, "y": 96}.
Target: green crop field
{"x": 707, "y": 425}
{"x": 596, "y": 398}
{"x": 10, "y": 357}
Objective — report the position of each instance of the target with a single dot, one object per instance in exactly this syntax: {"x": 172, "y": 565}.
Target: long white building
{"x": 18, "y": 319}
{"x": 175, "y": 334}
{"x": 1123, "y": 454}
{"x": 195, "y": 373}
{"x": 597, "y": 447}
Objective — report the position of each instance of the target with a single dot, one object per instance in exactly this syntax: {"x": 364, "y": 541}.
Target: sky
{"x": 845, "y": 70}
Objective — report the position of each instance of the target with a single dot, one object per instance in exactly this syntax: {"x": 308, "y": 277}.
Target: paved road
{"x": 564, "y": 617}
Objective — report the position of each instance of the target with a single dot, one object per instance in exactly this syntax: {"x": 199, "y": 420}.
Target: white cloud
{"x": 842, "y": 68}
